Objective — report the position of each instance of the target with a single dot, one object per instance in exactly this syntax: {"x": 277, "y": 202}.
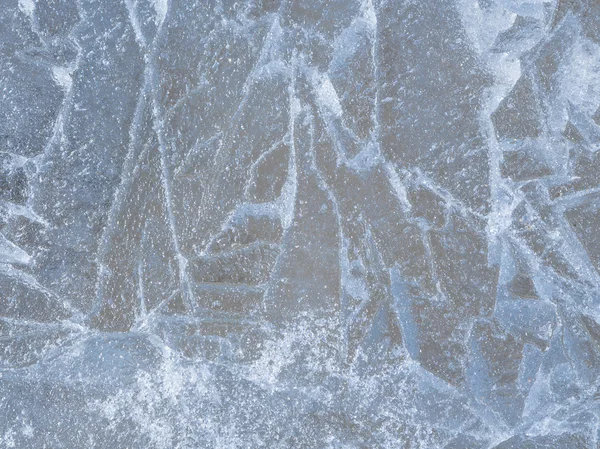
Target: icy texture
{"x": 300, "y": 224}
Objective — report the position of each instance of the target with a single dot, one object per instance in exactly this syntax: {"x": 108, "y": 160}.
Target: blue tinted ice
{"x": 300, "y": 224}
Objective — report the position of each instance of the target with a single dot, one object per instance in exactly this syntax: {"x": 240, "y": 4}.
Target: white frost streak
{"x": 328, "y": 97}
{"x": 160, "y": 7}
{"x": 287, "y": 202}
{"x": 397, "y": 185}
{"x": 11, "y": 253}
{"x": 135, "y": 23}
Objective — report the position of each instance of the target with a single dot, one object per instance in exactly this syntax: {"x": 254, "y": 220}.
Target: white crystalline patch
{"x": 154, "y": 399}
{"x": 350, "y": 41}
{"x": 368, "y": 12}
{"x": 353, "y": 285}
{"x": 62, "y": 77}
{"x": 9, "y": 439}
{"x": 328, "y": 98}
{"x": 15, "y": 161}
{"x": 586, "y": 126}
{"x": 531, "y": 8}
{"x": 27, "y": 430}
{"x": 581, "y": 77}
{"x": 286, "y": 201}
{"x": 11, "y": 253}
{"x": 19, "y": 210}
{"x": 483, "y": 25}
{"x": 369, "y": 157}
{"x": 272, "y": 49}
{"x": 500, "y": 219}
{"x": 270, "y": 70}
{"x": 397, "y": 185}
{"x": 27, "y": 6}
{"x": 161, "y": 7}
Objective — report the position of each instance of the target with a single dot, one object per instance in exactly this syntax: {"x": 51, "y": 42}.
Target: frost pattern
{"x": 342, "y": 224}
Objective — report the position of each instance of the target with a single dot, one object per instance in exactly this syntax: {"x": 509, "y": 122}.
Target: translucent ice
{"x": 300, "y": 224}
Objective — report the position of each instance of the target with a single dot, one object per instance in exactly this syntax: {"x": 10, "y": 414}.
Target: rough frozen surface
{"x": 300, "y": 224}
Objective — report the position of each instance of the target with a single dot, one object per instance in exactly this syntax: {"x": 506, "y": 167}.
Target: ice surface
{"x": 300, "y": 224}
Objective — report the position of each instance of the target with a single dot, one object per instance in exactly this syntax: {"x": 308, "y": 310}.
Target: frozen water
{"x": 300, "y": 224}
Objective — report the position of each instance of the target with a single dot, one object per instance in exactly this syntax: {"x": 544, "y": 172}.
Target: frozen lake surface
{"x": 300, "y": 224}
